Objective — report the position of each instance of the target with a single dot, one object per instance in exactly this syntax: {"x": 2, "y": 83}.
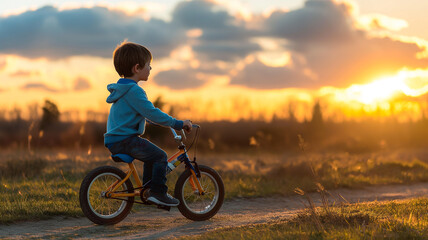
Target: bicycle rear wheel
{"x": 92, "y": 196}
{"x": 193, "y": 205}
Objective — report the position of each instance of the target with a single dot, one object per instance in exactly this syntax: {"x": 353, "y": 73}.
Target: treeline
{"x": 277, "y": 135}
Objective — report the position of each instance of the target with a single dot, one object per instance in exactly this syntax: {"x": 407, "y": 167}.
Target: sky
{"x": 221, "y": 60}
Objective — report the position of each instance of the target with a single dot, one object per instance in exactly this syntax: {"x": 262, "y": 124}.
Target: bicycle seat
{"x": 121, "y": 157}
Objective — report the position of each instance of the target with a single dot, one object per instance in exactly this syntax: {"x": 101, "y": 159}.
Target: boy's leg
{"x": 147, "y": 174}
{"x": 154, "y": 158}
{"x": 149, "y": 153}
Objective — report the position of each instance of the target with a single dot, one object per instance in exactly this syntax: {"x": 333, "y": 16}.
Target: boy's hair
{"x": 127, "y": 54}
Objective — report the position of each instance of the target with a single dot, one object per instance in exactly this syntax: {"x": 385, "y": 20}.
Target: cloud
{"x": 225, "y": 50}
{"x": 223, "y": 36}
{"x": 382, "y": 22}
{"x": 323, "y": 40}
{"x": 81, "y": 84}
{"x": 318, "y": 21}
{"x": 24, "y": 73}
{"x": 257, "y": 75}
{"x": 3, "y": 64}
{"x": 179, "y": 79}
{"x": 39, "y": 86}
{"x": 200, "y": 14}
{"x": 48, "y": 32}
{"x": 363, "y": 60}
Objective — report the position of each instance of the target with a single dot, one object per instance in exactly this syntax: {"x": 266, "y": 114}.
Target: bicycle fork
{"x": 194, "y": 173}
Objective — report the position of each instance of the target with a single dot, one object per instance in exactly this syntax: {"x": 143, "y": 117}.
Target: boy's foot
{"x": 145, "y": 195}
{"x": 162, "y": 199}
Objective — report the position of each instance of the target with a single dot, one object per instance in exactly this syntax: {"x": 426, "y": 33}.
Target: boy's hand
{"x": 187, "y": 126}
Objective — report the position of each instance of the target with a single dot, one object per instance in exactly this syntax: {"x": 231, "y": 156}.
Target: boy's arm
{"x": 137, "y": 99}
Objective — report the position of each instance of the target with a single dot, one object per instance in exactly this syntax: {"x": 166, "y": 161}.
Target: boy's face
{"x": 142, "y": 73}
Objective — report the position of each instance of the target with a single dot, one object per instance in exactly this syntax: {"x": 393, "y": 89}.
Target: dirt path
{"x": 152, "y": 223}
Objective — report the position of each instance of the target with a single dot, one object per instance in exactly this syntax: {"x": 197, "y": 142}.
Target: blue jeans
{"x": 154, "y": 158}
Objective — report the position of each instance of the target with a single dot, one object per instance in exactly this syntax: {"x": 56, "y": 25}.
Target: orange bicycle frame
{"x": 111, "y": 190}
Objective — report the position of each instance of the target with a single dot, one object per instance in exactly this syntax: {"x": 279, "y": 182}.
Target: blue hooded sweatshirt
{"x": 129, "y": 110}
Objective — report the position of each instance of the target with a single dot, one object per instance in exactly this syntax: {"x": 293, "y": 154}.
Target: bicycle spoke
{"x": 201, "y": 203}
{"x": 102, "y": 205}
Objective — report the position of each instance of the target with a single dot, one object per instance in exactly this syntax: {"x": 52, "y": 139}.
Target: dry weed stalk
{"x": 30, "y": 137}
{"x": 303, "y": 145}
{"x": 324, "y": 200}
{"x": 311, "y": 209}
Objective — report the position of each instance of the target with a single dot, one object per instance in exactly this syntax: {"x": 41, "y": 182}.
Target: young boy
{"x": 128, "y": 113}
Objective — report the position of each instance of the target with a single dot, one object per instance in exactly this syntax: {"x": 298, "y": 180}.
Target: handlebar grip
{"x": 193, "y": 126}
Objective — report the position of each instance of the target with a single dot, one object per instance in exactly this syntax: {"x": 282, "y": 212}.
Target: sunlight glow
{"x": 416, "y": 82}
{"x": 194, "y": 33}
{"x": 183, "y": 53}
{"x": 408, "y": 83}
{"x": 376, "y": 91}
{"x": 237, "y": 8}
{"x": 275, "y": 59}
{"x": 128, "y": 7}
{"x": 378, "y": 21}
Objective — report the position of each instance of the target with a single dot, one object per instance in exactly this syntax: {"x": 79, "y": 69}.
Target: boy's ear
{"x": 135, "y": 68}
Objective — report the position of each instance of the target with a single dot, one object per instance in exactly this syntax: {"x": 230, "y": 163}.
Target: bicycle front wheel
{"x": 93, "y": 200}
{"x": 195, "y": 206}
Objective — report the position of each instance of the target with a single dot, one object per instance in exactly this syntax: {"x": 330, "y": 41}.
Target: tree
{"x": 317, "y": 114}
{"x": 159, "y": 103}
{"x": 50, "y": 115}
{"x": 291, "y": 112}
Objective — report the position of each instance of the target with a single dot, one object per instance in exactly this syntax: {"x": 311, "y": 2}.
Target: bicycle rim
{"x": 201, "y": 204}
{"x": 100, "y": 205}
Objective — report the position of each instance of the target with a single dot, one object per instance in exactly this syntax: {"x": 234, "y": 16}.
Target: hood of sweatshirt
{"x": 118, "y": 90}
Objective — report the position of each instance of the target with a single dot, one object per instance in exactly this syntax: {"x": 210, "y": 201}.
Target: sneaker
{"x": 145, "y": 195}
{"x": 163, "y": 199}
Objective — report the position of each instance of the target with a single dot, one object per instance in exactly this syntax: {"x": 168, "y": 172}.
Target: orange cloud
{"x": 39, "y": 86}
{"x": 81, "y": 84}
{"x": 324, "y": 42}
{"x": 381, "y": 22}
{"x": 24, "y": 73}
{"x": 3, "y": 64}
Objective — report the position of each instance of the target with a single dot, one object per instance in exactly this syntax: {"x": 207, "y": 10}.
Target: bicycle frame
{"x": 180, "y": 155}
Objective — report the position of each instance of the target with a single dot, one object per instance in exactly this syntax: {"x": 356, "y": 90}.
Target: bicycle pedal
{"x": 167, "y": 208}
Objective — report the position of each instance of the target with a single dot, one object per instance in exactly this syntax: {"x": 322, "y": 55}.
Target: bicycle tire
{"x": 189, "y": 198}
{"x": 90, "y": 184}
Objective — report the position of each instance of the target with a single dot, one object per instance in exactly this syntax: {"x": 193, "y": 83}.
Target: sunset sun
{"x": 379, "y": 90}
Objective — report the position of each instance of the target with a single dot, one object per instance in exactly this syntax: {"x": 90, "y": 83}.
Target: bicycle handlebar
{"x": 179, "y": 138}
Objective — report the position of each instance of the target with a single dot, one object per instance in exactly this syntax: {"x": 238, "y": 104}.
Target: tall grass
{"x": 40, "y": 185}
{"x": 377, "y": 220}
{"x": 284, "y": 178}
{"x": 24, "y": 168}
{"x": 46, "y": 183}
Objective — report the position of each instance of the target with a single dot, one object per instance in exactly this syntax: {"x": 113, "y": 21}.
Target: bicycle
{"x": 107, "y": 194}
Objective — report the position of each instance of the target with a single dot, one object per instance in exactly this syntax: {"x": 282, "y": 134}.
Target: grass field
{"x": 405, "y": 219}
{"x": 46, "y": 183}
